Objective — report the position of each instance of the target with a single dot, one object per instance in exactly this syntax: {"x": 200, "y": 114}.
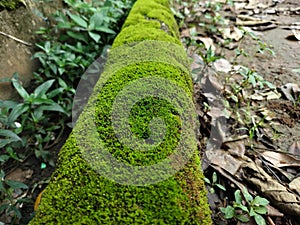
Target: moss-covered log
{"x": 132, "y": 156}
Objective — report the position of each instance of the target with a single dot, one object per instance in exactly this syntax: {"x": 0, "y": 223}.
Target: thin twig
{"x": 16, "y": 39}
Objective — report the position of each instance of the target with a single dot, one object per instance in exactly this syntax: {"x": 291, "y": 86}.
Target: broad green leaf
{"x": 207, "y": 180}
{"x": 16, "y": 184}
{"x": 260, "y": 209}
{"x": 96, "y": 21}
{"x": 259, "y": 220}
{"x": 260, "y": 201}
{"x": 17, "y": 111}
{"x": 242, "y": 218}
{"x": 64, "y": 25}
{"x": 43, "y": 88}
{"x": 247, "y": 196}
{"x": 8, "y": 104}
{"x": 40, "y": 101}
{"x": 4, "y": 158}
{"x": 105, "y": 30}
{"x": 53, "y": 67}
{"x": 55, "y": 92}
{"x": 5, "y": 142}
{"x": 53, "y": 107}
{"x": 78, "y": 36}
{"x": 22, "y": 92}
{"x": 10, "y": 134}
{"x": 77, "y": 19}
{"x": 242, "y": 207}
{"x": 229, "y": 212}
{"x": 94, "y": 36}
{"x": 62, "y": 83}
{"x": 238, "y": 197}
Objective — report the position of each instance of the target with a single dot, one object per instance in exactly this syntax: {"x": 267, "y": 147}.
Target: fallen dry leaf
{"x": 281, "y": 159}
{"x": 222, "y": 65}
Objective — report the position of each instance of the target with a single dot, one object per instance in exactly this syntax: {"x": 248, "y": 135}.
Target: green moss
{"x": 10, "y": 4}
{"x": 81, "y": 192}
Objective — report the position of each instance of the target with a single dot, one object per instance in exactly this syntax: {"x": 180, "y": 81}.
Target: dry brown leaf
{"x": 236, "y": 148}
{"x": 232, "y": 33}
{"x": 291, "y": 91}
{"x": 281, "y": 159}
{"x": 222, "y": 65}
{"x": 208, "y": 42}
{"x": 270, "y": 188}
{"x": 295, "y": 185}
{"x": 295, "y": 148}
{"x": 223, "y": 160}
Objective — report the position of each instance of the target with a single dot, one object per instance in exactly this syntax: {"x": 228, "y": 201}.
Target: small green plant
{"x": 245, "y": 206}
{"x": 22, "y": 124}
{"x": 250, "y": 77}
{"x": 9, "y": 189}
{"x": 214, "y": 183}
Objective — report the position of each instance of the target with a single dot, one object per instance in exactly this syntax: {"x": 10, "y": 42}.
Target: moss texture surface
{"x": 78, "y": 193}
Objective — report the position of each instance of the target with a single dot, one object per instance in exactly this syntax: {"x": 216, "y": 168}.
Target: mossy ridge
{"x": 149, "y": 20}
{"x": 78, "y": 195}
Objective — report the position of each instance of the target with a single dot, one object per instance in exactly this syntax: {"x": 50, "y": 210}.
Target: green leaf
{"x": 5, "y": 142}
{"x": 4, "y": 158}
{"x": 214, "y": 177}
{"x": 16, "y": 184}
{"x": 270, "y": 85}
{"x": 229, "y": 212}
{"x": 12, "y": 153}
{"x": 79, "y": 20}
{"x": 242, "y": 207}
{"x": 8, "y": 104}
{"x": 252, "y": 80}
{"x": 3, "y": 207}
{"x": 247, "y": 196}
{"x": 17, "y": 111}
{"x": 259, "y": 219}
{"x": 105, "y": 30}
{"x": 8, "y": 134}
{"x": 221, "y": 187}
{"x": 206, "y": 180}
{"x": 260, "y": 201}
{"x": 53, "y": 107}
{"x": 40, "y": 101}
{"x": 242, "y": 218}
{"x": 94, "y": 36}
{"x": 43, "y": 88}
{"x": 260, "y": 209}
{"x": 238, "y": 197}
{"x": 78, "y": 36}
{"x": 22, "y": 92}
{"x": 96, "y": 20}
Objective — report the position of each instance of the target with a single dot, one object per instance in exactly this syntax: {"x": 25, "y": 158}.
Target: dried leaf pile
{"x": 242, "y": 113}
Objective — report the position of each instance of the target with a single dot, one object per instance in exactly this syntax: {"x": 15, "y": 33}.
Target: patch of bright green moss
{"x": 77, "y": 193}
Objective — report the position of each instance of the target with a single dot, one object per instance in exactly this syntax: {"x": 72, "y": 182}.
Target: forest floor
{"x": 246, "y": 75}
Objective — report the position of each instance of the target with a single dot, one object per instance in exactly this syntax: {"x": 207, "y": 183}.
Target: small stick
{"x": 16, "y": 39}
